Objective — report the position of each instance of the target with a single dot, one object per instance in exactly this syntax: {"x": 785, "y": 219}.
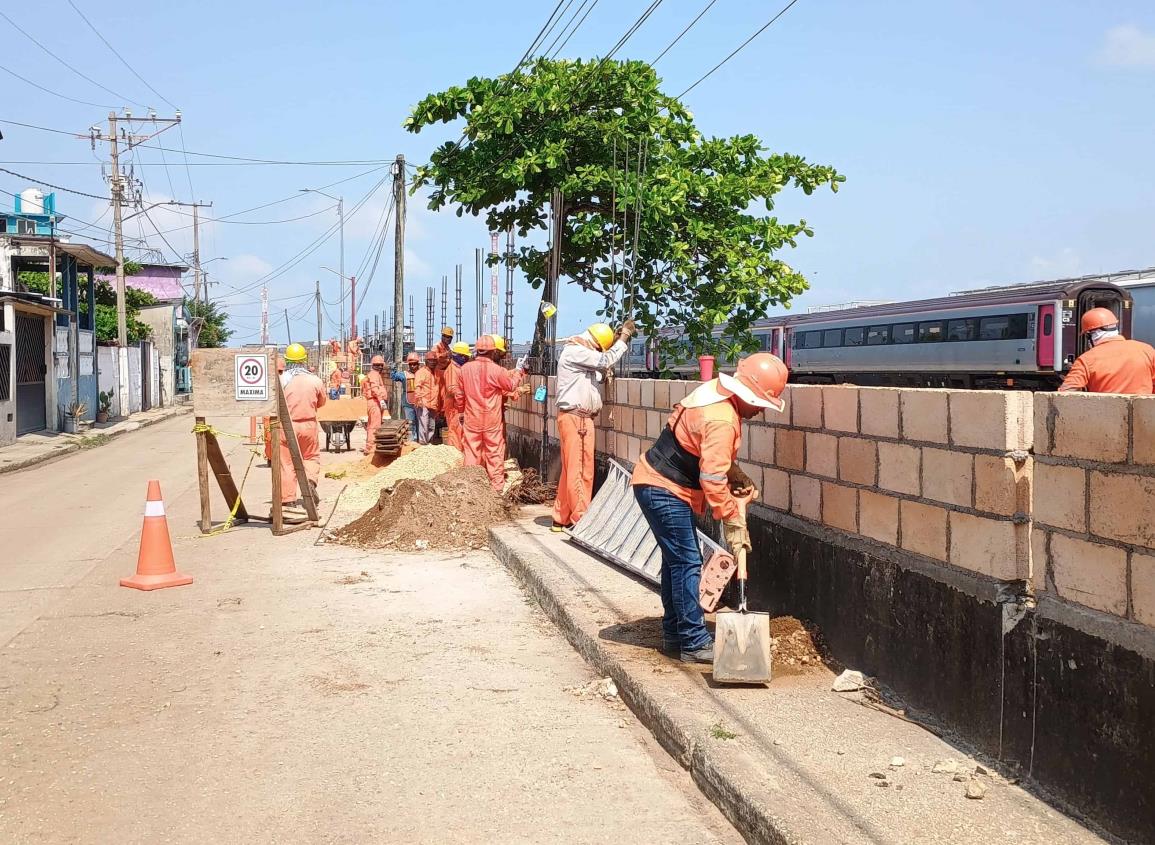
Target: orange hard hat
{"x": 446, "y": 331}
{"x": 377, "y": 359}
{"x": 758, "y": 381}
{"x": 431, "y": 357}
{"x": 485, "y": 343}
{"x": 413, "y": 358}
{"x": 1098, "y": 318}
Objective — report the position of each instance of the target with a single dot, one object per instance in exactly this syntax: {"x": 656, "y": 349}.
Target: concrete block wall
{"x": 1094, "y": 502}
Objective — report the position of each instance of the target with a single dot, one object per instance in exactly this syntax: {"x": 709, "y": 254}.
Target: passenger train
{"x": 1019, "y": 336}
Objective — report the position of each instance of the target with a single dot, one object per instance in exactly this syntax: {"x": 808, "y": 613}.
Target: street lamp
{"x": 341, "y": 223}
{"x": 352, "y": 302}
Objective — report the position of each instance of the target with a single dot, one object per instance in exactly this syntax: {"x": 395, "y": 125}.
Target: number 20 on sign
{"x": 252, "y": 377}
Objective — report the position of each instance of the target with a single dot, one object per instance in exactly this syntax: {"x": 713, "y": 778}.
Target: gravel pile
{"x": 422, "y": 464}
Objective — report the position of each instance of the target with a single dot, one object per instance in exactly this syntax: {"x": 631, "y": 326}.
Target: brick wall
{"x": 1094, "y": 502}
{"x": 1057, "y": 491}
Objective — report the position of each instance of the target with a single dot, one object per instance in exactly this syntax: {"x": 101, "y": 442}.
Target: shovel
{"x": 742, "y": 638}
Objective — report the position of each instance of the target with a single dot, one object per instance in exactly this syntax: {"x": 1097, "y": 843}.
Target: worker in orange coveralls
{"x": 304, "y": 394}
{"x": 691, "y": 466}
{"x": 1113, "y": 364}
{"x": 483, "y": 385}
{"x": 428, "y": 396}
{"x": 339, "y": 377}
{"x": 581, "y": 369}
{"x": 442, "y": 346}
{"x": 453, "y": 404}
{"x": 375, "y": 391}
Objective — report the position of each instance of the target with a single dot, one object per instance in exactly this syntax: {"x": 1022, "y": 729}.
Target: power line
{"x": 689, "y": 26}
{"x": 213, "y": 163}
{"x": 739, "y": 48}
{"x": 251, "y": 160}
{"x": 79, "y": 73}
{"x": 53, "y": 93}
{"x": 561, "y": 31}
{"x": 48, "y": 185}
{"x": 122, "y": 59}
{"x": 251, "y": 222}
{"x": 574, "y": 30}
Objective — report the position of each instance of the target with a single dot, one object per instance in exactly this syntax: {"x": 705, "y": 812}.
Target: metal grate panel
{"x": 29, "y": 349}
{"x": 615, "y": 528}
{"x": 5, "y": 372}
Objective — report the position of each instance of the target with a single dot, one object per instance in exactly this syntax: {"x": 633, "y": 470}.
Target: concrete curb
{"x": 71, "y": 448}
{"x": 720, "y": 772}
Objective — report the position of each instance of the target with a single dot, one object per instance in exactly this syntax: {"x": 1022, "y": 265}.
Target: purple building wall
{"x": 161, "y": 280}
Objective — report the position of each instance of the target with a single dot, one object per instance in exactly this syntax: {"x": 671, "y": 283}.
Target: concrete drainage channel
{"x": 719, "y": 771}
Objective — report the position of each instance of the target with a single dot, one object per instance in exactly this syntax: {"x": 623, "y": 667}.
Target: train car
{"x": 1019, "y": 336}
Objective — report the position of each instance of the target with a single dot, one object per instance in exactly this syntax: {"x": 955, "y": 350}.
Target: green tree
{"x": 105, "y": 322}
{"x": 664, "y": 224}
{"x": 208, "y": 323}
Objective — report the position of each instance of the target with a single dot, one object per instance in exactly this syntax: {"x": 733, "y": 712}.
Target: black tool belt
{"x": 670, "y": 459}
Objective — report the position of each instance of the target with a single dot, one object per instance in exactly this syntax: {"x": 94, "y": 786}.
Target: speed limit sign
{"x": 252, "y": 377}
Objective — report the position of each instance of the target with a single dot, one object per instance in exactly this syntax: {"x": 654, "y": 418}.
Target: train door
{"x": 776, "y": 342}
{"x": 1111, "y": 299}
{"x": 1045, "y": 338}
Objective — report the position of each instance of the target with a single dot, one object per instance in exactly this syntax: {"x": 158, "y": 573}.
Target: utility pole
{"x": 288, "y": 329}
{"x": 317, "y": 298}
{"x": 352, "y": 307}
{"x": 399, "y": 277}
{"x": 509, "y": 264}
{"x": 264, "y": 316}
{"x": 341, "y": 269}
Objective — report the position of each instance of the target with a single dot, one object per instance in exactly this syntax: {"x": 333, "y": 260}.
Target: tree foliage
{"x": 638, "y": 178}
{"x": 211, "y": 320}
{"x": 105, "y": 296}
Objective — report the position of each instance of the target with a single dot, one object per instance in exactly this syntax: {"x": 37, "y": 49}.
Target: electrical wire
{"x": 689, "y": 26}
{"x": 574, "y": 30}
{"x": 561, "y": 31}
{"x": 251, "y": 160}
{"x": 79, "y": 73}
{"x": 54, "y": 93}
{"x": 115, "y": 53}
{"x": 48, "y": 185}
{"x": 738, "y": 49}
{"x": 250, "y": 222}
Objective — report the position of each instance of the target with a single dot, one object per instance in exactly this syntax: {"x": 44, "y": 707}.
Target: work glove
{"x": 740, "y": 483}
{"x": 737, "y": 534}
{"x": 384, "y": 403}
{"x": 629, "y": 329}
{"x": 522, "y": 362}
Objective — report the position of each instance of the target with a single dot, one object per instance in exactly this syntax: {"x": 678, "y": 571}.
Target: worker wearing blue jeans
{"x": 406, "y": 377}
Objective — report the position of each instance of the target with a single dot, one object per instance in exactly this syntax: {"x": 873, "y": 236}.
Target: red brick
{"x": 923, "y": 529}
{"x": 1001, "y": 485}
{"x": 840, "y": 408}
{"x": 654, "y": 423}
{"x": 878, "y": 517}
{"x": 647, "y": 393}
{"x": 761, "y": 442}
{"x": 1091, "y": 574}
{"x": 662, "y": 395}
{"x": 821, "y": 454}
{"x": 840, "y": 506}
{"x": 789, "y": 448}
{"x": 634, "y": 391}
{"x": 857, "y": 460}
{"x": 1091, "y": 426}
{"x": 947, "y": 476}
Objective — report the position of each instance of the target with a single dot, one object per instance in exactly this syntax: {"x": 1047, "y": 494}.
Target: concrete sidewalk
{"x": 36, "y": 448}
{"x": 790, "y": 763}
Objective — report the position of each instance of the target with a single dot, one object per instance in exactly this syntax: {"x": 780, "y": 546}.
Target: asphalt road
{"x": 293, "y": 693}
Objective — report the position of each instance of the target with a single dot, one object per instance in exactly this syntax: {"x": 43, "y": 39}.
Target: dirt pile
{"x": 452, "y": 511}
{"x": 795, "y": 645}
{"x": 423, "y": 463}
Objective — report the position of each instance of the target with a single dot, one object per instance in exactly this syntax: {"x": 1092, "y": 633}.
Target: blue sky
{"x": 983, "y": 142}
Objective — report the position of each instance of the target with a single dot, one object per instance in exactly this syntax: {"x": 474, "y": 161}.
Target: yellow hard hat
{"x": 499, "y": 343}
{"x": 460, "y": 348}
{"x": 296, "y": 354}
{"x": 603, "y": 335}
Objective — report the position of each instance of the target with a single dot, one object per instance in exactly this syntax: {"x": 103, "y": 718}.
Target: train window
{"x": 903, "y": 333}
{"x": 1048, "y": 324}
{"x": 962, "y": 329}
{"x": 831, "y": 338}
{"x": 931, "y": 332}
{"x": 1003, "y": 327}
{"x": 855, "y": 336}
{"x": 812, "y": 340}
{"x": 765, "y": 340}
{"x": 877, "y": 335}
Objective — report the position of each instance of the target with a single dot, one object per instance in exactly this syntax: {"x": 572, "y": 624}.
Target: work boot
{"x": 701, "y": 655}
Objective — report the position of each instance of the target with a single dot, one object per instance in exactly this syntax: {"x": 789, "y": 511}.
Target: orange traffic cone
{"x": 155, "y": 567}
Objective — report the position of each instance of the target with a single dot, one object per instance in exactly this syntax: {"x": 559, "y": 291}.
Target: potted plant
{"x": 74, "y": 416}
{"x": 104, "y": 407}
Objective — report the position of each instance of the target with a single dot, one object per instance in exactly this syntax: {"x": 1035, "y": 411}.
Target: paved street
{"x": 293, "y": 693}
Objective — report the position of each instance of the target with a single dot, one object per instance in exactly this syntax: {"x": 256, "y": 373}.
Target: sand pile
{"x": 423, "y": 463}
{"x": 452, "y": 511}
{"x": 794, "y": 645}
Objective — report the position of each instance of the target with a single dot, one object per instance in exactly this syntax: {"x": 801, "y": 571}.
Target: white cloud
{"x": 1063, "y": 265}
{"x": 1128, "y": 46}
{"x": 415, "y": 266}
{"x": 245, "y": 268}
